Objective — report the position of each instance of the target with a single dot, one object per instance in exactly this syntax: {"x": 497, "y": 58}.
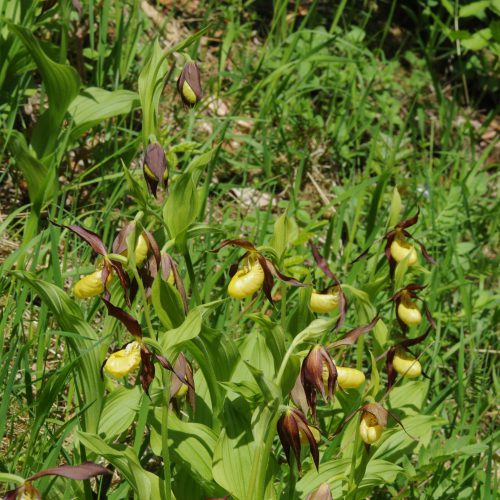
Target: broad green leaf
{"x": 191, "y": 446}
{"x": 333, "y": 472}
{"x": 38, "y": 176}
{"x": 285, "y": 233}
{"x": 120, "y": 409}
{"x": 85, "y": 347}
{"x": 395, "y": 208}
{"x": 144, "y": 483}
{"x": 62, "y": 84}
{"x": 474, "y": 8}
{"x": 398, "y": 443}
{"x": 151, "y": 81}
{"x": 410, "y": 396}
{"x": 478, "y": 40}
{"x": 379, "y": 472}
{"x": 167, "y": 303}
{"x": 181, "y": 208}
{"x": 95, "y": 105}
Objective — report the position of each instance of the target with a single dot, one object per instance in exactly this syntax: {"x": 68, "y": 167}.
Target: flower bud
{"x": 90, "y": 285}
{"x": 189, "y": 85}
{"x": 124, "y": 361}
{"x": 409, "y": 313}
{"x": 349, "y": 378}
{"x": 290, "y": 426}
{"x": 324, "y": 302}
{"x": 406, "y": 364}
{"x": 369, "y": 428}
{"x": 155, "y": 167}
{"x": 246, "y": 281}
{"x": 141, "y": 250}
{"x": 400, "y": 249}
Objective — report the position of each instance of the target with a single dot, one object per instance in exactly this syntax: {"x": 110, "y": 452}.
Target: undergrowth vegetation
{"x": 248, "y": 250}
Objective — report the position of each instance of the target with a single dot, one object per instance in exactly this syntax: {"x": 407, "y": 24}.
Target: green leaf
{"x": 167, "y": 303}
{"x": 191, "y": 445}
{"x": 120, "y": 409}
{"x": 189, "y": 41}
{"x": 395, "y": 208}
{"x": 333, "y": 472}
{"x": 181, "y": 208}
{"x": 172, "y": 340}
{"x": 62, "y": 84}
{"x": 151, "y": 81}
{"x": 285, "y": 233}
{"x": 474, "y": 8}
{"x": 95, "y": 105}
{"x": 478, "y": 40}
{"x": 398, "y": 443}
{"x": 38, "y": 176}
{"x": 144, "y": 483}
{"x": 84, "y": 346}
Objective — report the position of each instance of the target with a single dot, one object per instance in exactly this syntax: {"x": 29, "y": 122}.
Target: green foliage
{"x": 316, "y": 124}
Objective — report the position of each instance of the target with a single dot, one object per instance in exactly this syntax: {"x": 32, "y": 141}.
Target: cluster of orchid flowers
{"x": 319, "y": 373}
{"x": 253, "y": 272}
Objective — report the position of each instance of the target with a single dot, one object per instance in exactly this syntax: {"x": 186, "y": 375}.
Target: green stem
{"x": 164, "y": 435}
{"x": 192, "y": 278}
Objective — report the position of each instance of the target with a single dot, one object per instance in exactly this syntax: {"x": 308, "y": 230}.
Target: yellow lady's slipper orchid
{"x": 182, "y": 391}
{"x": 124, "y": 361}
{"x": 369, "y": 428}
{"x": 246, "y": 281}
{"x": 349, "y": 378}
{"x": 90, "y": 285}
{"x": 324, "y": 302}
{"x": 400, "y": 249}
{"x": 406, "y": 364}
{"x": 409, "y": 313}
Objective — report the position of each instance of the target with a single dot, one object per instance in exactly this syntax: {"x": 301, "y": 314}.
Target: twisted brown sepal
{"x": 191, "y": 75}
{"x": 155, "y": 167}
{"x": 290, "y": 423}
{"x": 352, "y": 335}
{"x": 130, "y": 323}
{"x": 80, "y": 472}
{"x": 183, "y": 367}
{"x": 99, "y": 247}
{"x": 311, "y": 376}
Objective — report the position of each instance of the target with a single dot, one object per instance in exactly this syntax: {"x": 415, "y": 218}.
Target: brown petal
{"x": 168, "y": 266}
{"x": 428, "y": 315}
{"x": 156, "y": 162}
{"x": 417, "y": 340}
{"x": 389, "y": 363}
{"x": 352, "y": 336}
{"x": 147, "y": 370}
{"x": 238, "y": 242}
{"x": 321, "y": 262}
{"x": 89, "y": 237}
{"x": 80, "y": 472}
{"x": 342, "y": 309}
{"x": 120, "y": 241}
{"x": 268, "y": 278}
{"x": 408, "y": 222}
{"x": 287, "y": 279}
{"x": 131, "y": 324}
{"x": 313, "y": 446}
{"x": 123, "y": 277}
